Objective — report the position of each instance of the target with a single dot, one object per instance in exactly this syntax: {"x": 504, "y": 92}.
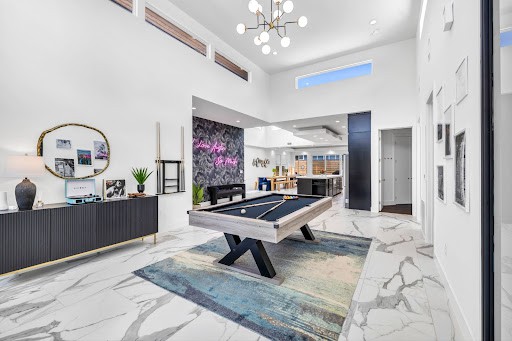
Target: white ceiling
{"x": 335, "y": 27}
{"x": 335, "y": 123}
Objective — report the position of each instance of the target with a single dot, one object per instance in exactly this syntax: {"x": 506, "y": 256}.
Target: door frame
{"x": 414, "y": 165}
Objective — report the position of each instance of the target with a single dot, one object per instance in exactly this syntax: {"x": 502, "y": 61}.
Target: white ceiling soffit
{"x": 319, "y": 135}
{"x": 335, "y": 28}
{"x": 218, "y": 113}
{"x": 335, "y": 123}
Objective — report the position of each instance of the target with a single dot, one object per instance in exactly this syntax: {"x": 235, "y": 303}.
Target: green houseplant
{"x": 197, "y": 195}
{"x": 141, "y": 175}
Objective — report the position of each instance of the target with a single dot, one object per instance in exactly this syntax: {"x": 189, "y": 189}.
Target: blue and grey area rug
{"x": 311, "y": 303}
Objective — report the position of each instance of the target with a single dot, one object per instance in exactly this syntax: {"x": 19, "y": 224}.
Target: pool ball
{"x": 243, "y": 211}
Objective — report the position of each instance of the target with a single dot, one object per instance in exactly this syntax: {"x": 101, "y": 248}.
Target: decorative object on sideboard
{"x": 55, "y": 144}
{"x": 448, "y": 16}
{"x": 197, "y": 195}
{"x": 4, "y": 206}
{"x": 136, "y": 195}
{"x": 25, "y": 166}
{"x": 81, "y": 192}
{"x": 141, "y": 175}
{"x": 114, "y": 189}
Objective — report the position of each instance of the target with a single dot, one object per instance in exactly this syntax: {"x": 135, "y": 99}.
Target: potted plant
{"x": 141, "y": 175}
{"x": 274, "y": 170}
{"x": 197, "y": 195}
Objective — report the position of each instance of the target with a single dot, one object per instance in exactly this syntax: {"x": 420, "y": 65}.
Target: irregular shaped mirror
{"x": 74, "y": 151}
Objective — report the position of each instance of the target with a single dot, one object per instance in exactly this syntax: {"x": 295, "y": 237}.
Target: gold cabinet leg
{"x": 142, "y": 239}
{"x": 154, "y": 238}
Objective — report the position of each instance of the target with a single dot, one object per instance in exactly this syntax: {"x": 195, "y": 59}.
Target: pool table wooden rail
{"x": 269, "y": 231}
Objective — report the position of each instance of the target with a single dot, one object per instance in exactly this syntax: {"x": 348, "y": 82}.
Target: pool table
{"x": 268, "y": 218}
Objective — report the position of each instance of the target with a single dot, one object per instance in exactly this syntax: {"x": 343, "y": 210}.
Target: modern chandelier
{"x": 274, "y": 21}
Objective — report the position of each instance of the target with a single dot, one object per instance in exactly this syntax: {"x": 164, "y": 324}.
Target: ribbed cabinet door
{"x": 113, "y": 223}
{"x": 145, "y": 217}
{"x": 73, "y": 230}
{"x": 24, "y": 239}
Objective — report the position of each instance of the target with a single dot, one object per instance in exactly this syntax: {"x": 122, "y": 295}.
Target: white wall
{"x": 389, "y": 93}
{"x": 91, "y": 62}
{"x": 269, "y": 137}
{"x": 456, "y": 233}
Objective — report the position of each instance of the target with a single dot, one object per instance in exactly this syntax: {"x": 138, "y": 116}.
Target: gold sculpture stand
{"x": 60, "y": 260}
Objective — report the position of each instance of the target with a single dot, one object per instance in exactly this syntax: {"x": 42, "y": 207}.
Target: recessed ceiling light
{"x": 237, "y": 121}
{"x": 193, "y": 108}
{"x": 343, "y": 126}
{"x": 295, "y": 126}
{"x": 337, "y": 121}
{"x": 373, "y": 22}
{"x": 376, "y": 31}
{"x": 274, "y": 53}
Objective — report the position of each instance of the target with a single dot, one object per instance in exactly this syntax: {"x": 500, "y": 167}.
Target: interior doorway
{"x": 396, "y": 171}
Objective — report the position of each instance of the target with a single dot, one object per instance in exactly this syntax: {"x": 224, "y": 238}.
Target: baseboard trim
{"x": 460, "y": 323}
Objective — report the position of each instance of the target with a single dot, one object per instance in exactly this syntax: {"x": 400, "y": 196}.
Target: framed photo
{"x": 448, "y": 133}
{"x": 84, "y": 157}
{"x": 441, "y": 189}
{"x": 461, "y": 81}
{"x": 100, "y": 150}
{"x": 461, "y": 174}
{"x": 63, "y": 144}
{"x": 439, "y": 132}
{"x": 114, "y": 189}
{"x": 65, "y": 167}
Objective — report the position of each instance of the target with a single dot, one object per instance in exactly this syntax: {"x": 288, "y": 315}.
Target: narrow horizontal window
{"x": 174, "y": 31}
{"x": 126, "y": 4}
{"x": 506, "y": 38}
{"x": 229, "y": 65}
{"x": 334, "y": 75}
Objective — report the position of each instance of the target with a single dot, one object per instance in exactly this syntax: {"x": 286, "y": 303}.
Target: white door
{"x": 403, "y": 170}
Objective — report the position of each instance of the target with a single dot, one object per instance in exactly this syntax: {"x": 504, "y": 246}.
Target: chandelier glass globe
{"x": 264, "y": 36}
{"x": 253, "y": 6}
{"x": 303, "y": 21}
{"x": 240, "y": 28}
{"x": 265, "y": 49}
{"x": 277, "y": 14}
{"x": 257, "y": 41}
{"x": 288, "y": 6}
{"x": 285, "y": 41}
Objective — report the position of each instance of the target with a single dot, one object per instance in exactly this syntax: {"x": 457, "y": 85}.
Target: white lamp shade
{"x": 257, "y": 41}
{"x": 253, "y": 6}
{"x": 264, "y": 36}
{"x": 24, "y": 166}
{"x": 288, "y": 6}
{"x": 277, "y": 13}
{"x": 285, "y": 41}
{"x": 240, "y": 28}
{"x": 265, "y": 49}
{"x": 303, "y": 21}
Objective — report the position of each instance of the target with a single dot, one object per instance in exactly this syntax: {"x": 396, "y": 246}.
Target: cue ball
{"x": 243, "y": 211}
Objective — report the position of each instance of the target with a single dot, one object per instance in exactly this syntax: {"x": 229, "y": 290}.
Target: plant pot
{"x": 141, "y": 188}
{"x": 195, "y": 207}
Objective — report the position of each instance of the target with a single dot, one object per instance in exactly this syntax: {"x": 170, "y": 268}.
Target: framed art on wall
{"x": 461, "y": 81}
{"x": 448, "y": 135}
{"x": 461, "y": 174}
{"x": 114, "y": 189}
{"x": 439, "y": 132}
{"x": 441, "y": 183}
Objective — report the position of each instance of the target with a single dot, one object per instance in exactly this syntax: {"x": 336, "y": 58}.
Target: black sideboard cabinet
{"x": 29, "y": 238}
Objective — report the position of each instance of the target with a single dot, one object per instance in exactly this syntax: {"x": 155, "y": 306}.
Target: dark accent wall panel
{"x": 73, "y": 230}
{"x": 359, "y": 153}
{"x": 24, "y": 240}
{"x": 216, "y": 149}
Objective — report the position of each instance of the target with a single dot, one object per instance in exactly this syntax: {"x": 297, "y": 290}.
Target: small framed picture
{"x": 439, "y": 132}
{"x": 63, "y": 144}
{"x": 448, "y": 133}
{"x": 441, "y": 184}
{"x": 84, "y": 157}
{"x": 100, "y": 150}
{"x": 461, "y": 81}
{"x": 461, "y": 174}
{"x": 65, "y": 167}
{"x": 114, "y": 189}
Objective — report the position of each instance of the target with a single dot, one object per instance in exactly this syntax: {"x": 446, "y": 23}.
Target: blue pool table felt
{"x": 288, "y": 207}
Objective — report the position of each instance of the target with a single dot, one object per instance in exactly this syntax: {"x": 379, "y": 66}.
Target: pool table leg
{"x": 238, "y": 248}
{"x": 306, "y": 232}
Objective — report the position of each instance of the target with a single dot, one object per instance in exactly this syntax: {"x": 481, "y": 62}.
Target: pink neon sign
{"x": 216, "y": 148}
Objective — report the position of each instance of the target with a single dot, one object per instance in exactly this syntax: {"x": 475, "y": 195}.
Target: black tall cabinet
{"x": 360, "y": 163}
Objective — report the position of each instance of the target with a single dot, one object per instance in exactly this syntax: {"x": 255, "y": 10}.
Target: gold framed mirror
{"x": 74, "y": 151}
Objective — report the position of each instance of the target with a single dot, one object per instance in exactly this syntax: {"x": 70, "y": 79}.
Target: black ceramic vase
{"x": 141, "y": 188}
{"x": 25, "y": 195}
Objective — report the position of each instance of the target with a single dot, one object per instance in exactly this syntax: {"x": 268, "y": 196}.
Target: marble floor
{"x": 399, "y": 295}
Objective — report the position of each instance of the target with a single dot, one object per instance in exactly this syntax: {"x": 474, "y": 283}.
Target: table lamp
{"x": 25, "y": 166}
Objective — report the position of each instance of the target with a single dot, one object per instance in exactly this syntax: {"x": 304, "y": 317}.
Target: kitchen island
{"x": 325, "y": 185}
